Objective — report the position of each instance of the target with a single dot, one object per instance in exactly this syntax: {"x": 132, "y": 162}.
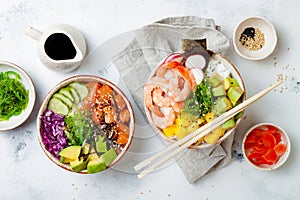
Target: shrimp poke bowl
{"x": 189, "y": 89}
{"x": 85, "y": 124}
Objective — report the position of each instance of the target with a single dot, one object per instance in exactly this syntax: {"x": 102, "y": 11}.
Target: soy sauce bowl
{"x": 251, "y": 136}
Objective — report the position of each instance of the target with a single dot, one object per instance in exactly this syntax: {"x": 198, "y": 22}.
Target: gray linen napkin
{"x": 154, "y": 42}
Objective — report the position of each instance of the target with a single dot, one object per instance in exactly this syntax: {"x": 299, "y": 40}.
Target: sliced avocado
{"x": 71, "y": 152}
{"x": 186, "y": 119}
{"x": 192, "y": 127}
{"x": 230, "y": 82}
{"x": 212, "y": 137}
{"x": 93, "y": 156}
{"x": 96, "y": 165}
{"x": 109, "y": 156}
{"x": 221, "y": 105}
{"x": 215, "y": 80}
{"x": 219, "y": 91}
{"x": 234, "y": 94}
{"x": 182, "y": 132}
{"x": 100, "y": 138}
{"x": 239, "y": 115}
{"x": 65, "y": 160}
{"x": 92, "y": 150}
{"x": 78, "y": 165}
{"x": 85, "y": 149}
{"x": 101, "y": 144}
{"x": 229, "y": 124}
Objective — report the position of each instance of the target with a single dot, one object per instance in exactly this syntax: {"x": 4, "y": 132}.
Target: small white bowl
{"x": 269, "y": 34}
{"x": 16, "y": 121}
{"x": 282, "y": 159}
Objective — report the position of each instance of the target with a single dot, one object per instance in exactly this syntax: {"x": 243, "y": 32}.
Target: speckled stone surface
{"x": 26, "y": 173}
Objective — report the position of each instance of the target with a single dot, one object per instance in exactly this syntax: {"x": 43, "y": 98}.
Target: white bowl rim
{"x": 31, "y": 101}
{"x": 283, "y": 158}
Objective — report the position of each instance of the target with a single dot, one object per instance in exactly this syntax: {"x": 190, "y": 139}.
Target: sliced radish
{"x": 195, "y": 61}
{"x": 174, "y": 57}
{"x": 198, "y": 75}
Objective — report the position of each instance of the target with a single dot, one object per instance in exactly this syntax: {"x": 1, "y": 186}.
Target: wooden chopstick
{"x": 187, "y": 141}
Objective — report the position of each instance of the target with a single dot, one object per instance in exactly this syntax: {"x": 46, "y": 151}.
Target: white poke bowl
{"x": 217, "y": 62}
{"x": 86, "y": 79}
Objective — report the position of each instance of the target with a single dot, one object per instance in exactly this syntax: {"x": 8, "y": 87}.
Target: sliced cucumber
{"x": 64, "y": 99}
{"x": 75, "y": 94}
{"x": 57, "y": 106}
{"x": 65, "y": 91}
{"x": 81, "y": 89}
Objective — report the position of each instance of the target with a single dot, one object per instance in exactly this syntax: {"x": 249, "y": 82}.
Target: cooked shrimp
{"x": 148, "y": 95}
{"x": 155, "y": 82}
{"x": 161, "y": 71}
{"x": 187, "y": 75}
{"x": 160, "y": 97}
{"x": 180, "y": 86}
{"x": 175, "y": 105}
{"x": 166, "y": 120}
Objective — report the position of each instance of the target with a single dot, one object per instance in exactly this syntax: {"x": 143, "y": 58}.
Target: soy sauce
{"x": 58, "y": 46}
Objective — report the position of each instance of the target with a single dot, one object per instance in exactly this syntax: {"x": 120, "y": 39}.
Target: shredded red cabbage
{"x": 52, "y": 132}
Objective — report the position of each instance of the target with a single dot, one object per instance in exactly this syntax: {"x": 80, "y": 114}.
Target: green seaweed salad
{"x": 199, "y": 102}
{"x": 13, "y": 95}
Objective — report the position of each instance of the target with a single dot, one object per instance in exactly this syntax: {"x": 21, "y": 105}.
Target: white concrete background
{"x": 26, "y": 173}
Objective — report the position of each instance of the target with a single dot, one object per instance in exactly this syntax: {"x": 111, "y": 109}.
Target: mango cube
{"x": 171, "y": 130}
{"x": 209, "y": 117}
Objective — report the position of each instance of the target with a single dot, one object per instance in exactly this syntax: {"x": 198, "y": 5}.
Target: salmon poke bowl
{"x": 191, "y": 88}
{"x": 85, "y": 124}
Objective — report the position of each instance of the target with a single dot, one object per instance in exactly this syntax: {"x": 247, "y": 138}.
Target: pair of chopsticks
{"x": 190, "y": 139}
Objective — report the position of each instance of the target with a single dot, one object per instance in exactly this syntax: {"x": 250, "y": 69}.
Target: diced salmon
{"x": 104, "y": 95}
{"x": 122, "y": 138}
{"x": 109, "y": 116}
{"x": 123, "y": 127}
{"x": 124, "y": 116}
{"x": 120, "y": 102}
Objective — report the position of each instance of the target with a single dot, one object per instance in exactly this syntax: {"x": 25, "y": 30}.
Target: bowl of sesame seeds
{"x": 254, "y": 38}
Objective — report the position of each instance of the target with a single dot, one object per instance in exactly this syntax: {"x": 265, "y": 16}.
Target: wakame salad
{"x": 13, "y": 96}
{"x": 86, "y": 125}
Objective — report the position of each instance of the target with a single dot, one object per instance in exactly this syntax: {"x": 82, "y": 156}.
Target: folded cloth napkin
{"x": 151, "y": 44}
